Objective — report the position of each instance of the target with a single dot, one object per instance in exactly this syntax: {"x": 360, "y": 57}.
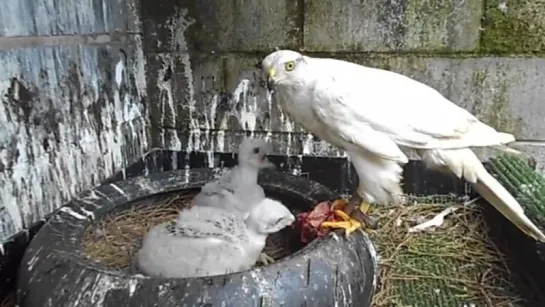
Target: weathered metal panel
{"x": 70, "y": 117}
{"x": 60, "y": 17}
{"x": 73, "y": 88}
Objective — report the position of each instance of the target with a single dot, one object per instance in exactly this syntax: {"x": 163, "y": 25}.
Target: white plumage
{"x": 371, "y": 113}
{"x": 237, "y": 190}
{"x": 206, "y": 241}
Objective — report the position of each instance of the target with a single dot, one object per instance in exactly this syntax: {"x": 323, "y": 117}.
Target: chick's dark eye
{"x": 256, "y": 150}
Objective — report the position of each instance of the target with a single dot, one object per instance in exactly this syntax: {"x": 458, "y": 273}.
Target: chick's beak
{"x": 266, "y": 163}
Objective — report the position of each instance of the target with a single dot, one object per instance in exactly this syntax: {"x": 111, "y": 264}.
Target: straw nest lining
{"x": 115, "y": 239}
{"x": 455, "y": 264}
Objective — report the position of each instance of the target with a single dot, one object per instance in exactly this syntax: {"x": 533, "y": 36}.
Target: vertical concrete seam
{"x": 302, "y": 24}
{"x": 481, "y": 26}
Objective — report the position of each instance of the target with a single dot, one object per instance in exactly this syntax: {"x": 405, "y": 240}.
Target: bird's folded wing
{"x": 338, "y": 120}
{"x": 367, "y": 101}
{"x": 210, "y": 220}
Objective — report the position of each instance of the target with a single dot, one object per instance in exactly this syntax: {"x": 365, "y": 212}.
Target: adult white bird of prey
{"x": 207, "y": 241}
{"x": 373, "y": 113}
{"x": 237, "y": 190}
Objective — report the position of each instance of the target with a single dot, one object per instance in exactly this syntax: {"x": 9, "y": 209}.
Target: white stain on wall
{"x": 61, "y": 131}
{"x": 166, "y": 102}
{"x": 209, "y": 126}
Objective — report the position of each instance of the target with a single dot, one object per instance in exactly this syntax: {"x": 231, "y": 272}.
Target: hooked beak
{"x": 271, "y": 75}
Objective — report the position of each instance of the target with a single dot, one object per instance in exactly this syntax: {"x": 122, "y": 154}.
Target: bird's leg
{"x": 356, "y": 202}
{"x": 352, "y": 219}
{"x": 265, "y": 259}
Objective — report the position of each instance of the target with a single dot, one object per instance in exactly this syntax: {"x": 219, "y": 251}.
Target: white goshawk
{"x": 373, "y": 113}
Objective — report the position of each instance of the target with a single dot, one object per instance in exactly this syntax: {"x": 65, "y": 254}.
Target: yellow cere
{"x": 272, "y": 73}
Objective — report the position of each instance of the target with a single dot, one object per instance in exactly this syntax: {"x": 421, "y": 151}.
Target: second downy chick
{"x": 269, "y": 216}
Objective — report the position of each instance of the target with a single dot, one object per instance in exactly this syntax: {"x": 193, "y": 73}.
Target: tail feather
{"x": 465, "y": 164}
{"x": 509, "y": 150}
{"x": 505, "y": 138}
{"x": 481, "y": 134}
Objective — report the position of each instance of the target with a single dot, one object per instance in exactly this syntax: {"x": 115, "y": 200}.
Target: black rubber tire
{"x": 333, "y": 271}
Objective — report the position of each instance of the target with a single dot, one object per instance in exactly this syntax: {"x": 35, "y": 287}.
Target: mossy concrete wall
{"x": 483, "y": 55}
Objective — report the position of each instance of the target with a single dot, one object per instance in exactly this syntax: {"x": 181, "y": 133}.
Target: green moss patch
{"x": 513, "y": 27}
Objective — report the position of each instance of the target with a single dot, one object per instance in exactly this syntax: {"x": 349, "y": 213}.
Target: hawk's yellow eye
{"x": 289, "y": 66}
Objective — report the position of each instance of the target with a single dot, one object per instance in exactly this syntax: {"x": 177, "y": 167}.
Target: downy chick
{"x": 269, "y": 216}
{"x": 237, "y": 190}
{"x": 210, "y": 241}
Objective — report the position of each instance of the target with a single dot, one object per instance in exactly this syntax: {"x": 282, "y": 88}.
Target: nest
{"x": 115, "y": 239}
{"x": 455, "y": 264}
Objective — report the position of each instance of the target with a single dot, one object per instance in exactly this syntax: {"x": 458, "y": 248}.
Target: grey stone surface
{"x": 219, "y": 26}
{"x": 290, "y": 144}
{"x": 187, "y": 94}
{"x": 71, "y": 116}
{"x": 132, "y": 15}
{"x": 395, "y": 25}
{"x": 246, "y": 26}
{"x": 165, "y": 25}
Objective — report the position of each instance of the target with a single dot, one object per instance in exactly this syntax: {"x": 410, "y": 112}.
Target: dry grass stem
{"x": 455, "y": 264}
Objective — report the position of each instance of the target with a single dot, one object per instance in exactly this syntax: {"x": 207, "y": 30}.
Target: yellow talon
{"x": 342, "y": 215}
{"x": 349, "y": 224}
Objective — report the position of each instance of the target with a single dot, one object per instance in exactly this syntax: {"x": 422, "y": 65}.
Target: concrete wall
{"x": 480, "y": 55}
{"x": 72, "y": 111}
{"x": 79, "y": 82}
